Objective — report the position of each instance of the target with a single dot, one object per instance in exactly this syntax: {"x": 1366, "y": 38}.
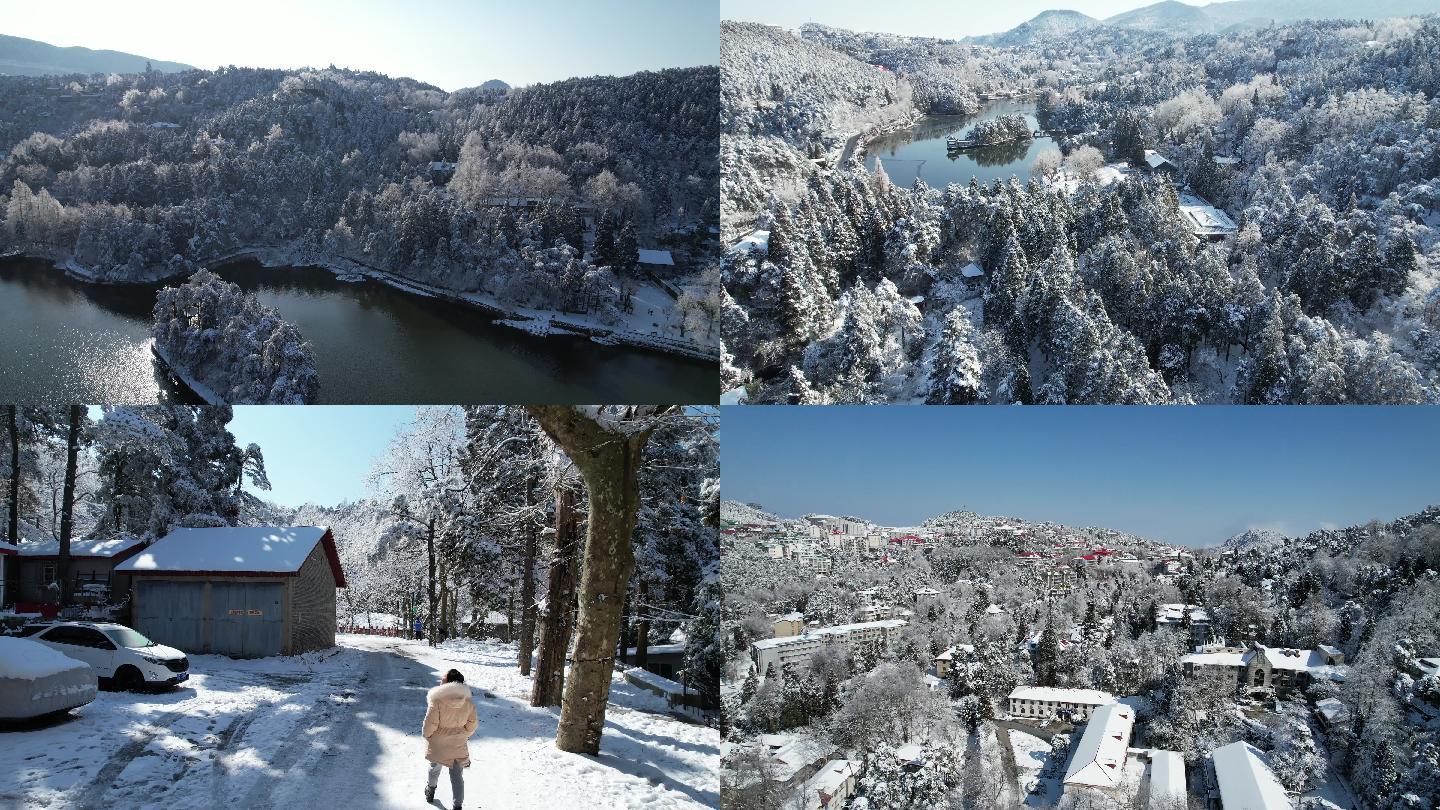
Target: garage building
{"x": 246, "y": 592}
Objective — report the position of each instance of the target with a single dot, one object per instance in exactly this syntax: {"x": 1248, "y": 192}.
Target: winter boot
{"x": 429, "y": 795}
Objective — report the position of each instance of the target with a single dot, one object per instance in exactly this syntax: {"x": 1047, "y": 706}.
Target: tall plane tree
{"x": 607, "y": 444}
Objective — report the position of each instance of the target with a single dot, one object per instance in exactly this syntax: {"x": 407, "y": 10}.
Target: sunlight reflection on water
{"x": 110, "y": 368}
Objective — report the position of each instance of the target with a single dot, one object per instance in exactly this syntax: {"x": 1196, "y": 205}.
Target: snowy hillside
{"x": 1253, "y": 537}
{"x": 737, "y": 512}
{"x": 1221, "y": 274}
{"x": 784, "y": 102}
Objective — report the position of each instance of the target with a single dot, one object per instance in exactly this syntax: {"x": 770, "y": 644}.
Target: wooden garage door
{"x": 172, "y": 613}
{"x": 247, "y": 619}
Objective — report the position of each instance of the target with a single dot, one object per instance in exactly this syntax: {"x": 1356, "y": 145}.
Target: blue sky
{"x": 915, "y": 17}
{"x": 448, "y": 43}
{"x": 1187, "y": 475}
{"x": 318, "y": 453}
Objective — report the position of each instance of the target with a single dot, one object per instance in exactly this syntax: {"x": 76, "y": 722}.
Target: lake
{"x": 63, "y": 340}
{"x": 922, "y": 148}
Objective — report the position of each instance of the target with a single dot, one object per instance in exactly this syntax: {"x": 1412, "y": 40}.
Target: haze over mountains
{"x": 1176, "y": 17}
{"x": 29, "y": 57}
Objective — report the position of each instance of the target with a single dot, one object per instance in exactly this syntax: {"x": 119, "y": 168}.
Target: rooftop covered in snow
{"x": 89, "y": 547}
{"x": 1057, "y": 694}
{"x": 1245, "y": 780}
{"x": 235, "y": 550}
{"x": 1099, "y": 757}
{"x": 1204, "y": 219}
{"x": 1167, "y": 778}
{"x": 833, "y": 631}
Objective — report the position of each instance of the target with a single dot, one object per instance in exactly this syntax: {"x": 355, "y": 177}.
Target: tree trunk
{"x": 608, "y": 462}
{"x": 67, "y": 505}
{"x": 527, "y": 584}
{"x": 430, "y": 583}
{"x": 13, "y": 423}
{"x": 642, "y": 628}
{"x": 555, "y": 642}
{"x": 625, "y": 616}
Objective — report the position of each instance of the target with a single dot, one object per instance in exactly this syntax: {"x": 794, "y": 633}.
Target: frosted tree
{"x": 955, "y": 373}
{"x": 232, "y": 345}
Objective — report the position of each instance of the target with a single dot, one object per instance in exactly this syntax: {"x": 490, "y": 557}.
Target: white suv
{"x": 117, "y": 653}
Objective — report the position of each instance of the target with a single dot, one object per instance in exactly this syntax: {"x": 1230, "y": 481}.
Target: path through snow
{"x": 340, "y": 728}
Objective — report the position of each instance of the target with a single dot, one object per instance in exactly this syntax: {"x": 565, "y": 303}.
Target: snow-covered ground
{"x": 340, "y": 728}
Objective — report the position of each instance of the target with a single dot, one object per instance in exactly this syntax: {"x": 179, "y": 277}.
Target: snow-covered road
{"x": 341, "y": 729}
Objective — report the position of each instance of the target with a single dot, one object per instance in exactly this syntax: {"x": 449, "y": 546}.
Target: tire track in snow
{"x": 91, "y": 796}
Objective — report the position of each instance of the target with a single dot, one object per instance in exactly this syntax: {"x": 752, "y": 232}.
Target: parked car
{"x": 35, "y": 680}
{"x": 119, "y": 654}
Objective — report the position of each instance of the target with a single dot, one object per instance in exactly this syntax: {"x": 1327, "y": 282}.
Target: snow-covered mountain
{"x": 1253, "y": 537}
{"x": 737, "y": 512}
{"x": 1175, "y": 17}
{"x": 29, "y": 57}
{"x": 1169, "y": 15}
{"x": 1043, "y": 26}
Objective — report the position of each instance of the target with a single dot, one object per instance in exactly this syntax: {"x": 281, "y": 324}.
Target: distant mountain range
{"x": 28, "y": 57}
{"x": 1175, "y": 17}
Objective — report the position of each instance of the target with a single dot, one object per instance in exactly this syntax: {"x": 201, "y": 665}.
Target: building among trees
{"x": 797, "y": 649}
{"x": 1050, "y": 701}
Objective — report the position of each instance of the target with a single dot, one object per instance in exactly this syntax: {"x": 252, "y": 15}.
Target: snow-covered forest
{"x": 484, "y": 191}
{"x": 988, "y": 597}
{"x": 1316, "y": 138}
{"x": 472, "y": 512}
{"x": 230, "y": 347}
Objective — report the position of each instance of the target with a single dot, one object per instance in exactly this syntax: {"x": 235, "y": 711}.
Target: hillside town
{"x": 979, "y": 662}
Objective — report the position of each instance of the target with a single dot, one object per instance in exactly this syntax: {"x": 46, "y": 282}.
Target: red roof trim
{"x": 333, "y": 555}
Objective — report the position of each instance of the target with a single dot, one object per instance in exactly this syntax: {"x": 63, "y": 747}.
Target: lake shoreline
{"x": 541, "y": 323}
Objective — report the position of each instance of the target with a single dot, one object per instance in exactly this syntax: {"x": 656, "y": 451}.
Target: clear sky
{"x": 318, "y": 454}
{"x": 916, "y": 17}
{"x": 448, "y": 43}
{"x": 1187, "y": 475}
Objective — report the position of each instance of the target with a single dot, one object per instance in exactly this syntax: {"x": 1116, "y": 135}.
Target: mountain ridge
{"x": 1175, "y": 17}
{"x": 31, "y": 57}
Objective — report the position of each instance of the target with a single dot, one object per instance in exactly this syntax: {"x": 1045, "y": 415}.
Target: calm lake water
{"x": 921, "y": 149}
{"x": 66, "y": 341}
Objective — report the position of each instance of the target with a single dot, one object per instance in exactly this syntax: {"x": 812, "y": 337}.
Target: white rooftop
{"x": 755, "y": 241}
{"x": 267, "y": 549}
{"x": 972, "y": 270}
{"x": 1245, "y": 780}
{"x": 795, "y": 756}
{"x": 1167, "y": 778}
{"x": 91, "y": 547}
{"x": 648, "y": 256}
{"x": 823, "y": 785}
{"x": 1154, "y": 159}
{"x": 1204, "y": 219}
{"x": 1099, "y": 757}
{"x": 836, "y": 631}
{"x": 1090, "y": 697}
{"x": 1218, "y": 658}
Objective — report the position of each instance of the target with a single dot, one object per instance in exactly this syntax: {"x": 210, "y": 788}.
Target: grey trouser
{"x": 457, "y": 779}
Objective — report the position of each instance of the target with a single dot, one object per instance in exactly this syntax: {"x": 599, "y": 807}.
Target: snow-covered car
{"x": 36, "y": 680}
{"x": 119, "y": 654}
